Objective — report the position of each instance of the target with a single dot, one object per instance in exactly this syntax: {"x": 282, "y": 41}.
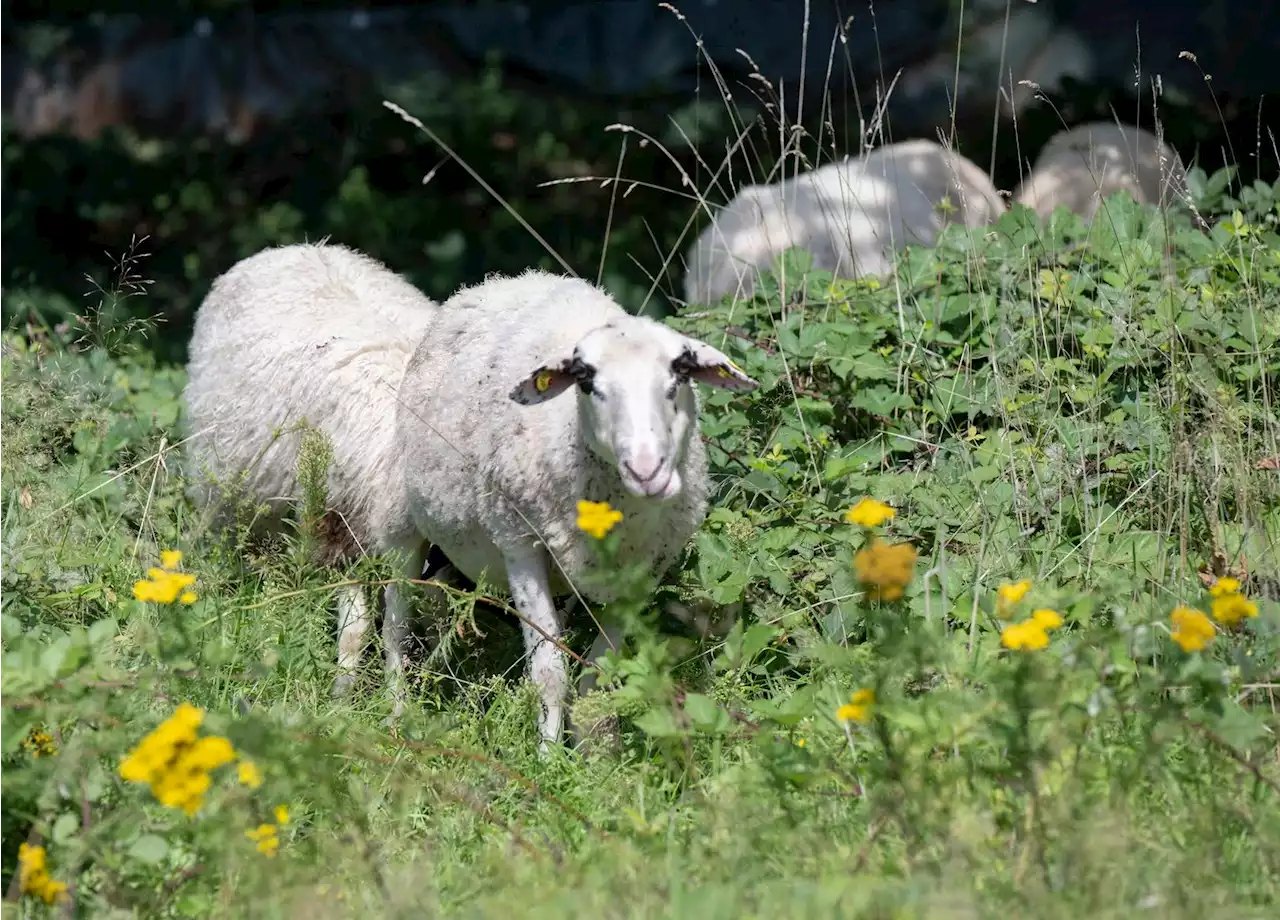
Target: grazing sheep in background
{"x": 853, "y": 216}
{"x": 603, "y": 410}
{"x": 319, "y": 333}
{"x": 1081, "y": 166}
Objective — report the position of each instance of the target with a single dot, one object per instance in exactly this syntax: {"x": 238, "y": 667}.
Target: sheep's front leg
{"x": 542, "y": 626}
{"x": 395, "y": 628}
{"x": 354, "y": 618}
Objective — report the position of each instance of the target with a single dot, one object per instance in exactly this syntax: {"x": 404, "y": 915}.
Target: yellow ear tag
{"x": 542, "y": 382}
{"x": 723, "y": 371}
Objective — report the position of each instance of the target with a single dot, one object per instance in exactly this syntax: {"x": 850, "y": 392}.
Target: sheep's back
{"x": 1081, "y": 166}
{"x": 852, "y": 216}
{"x": 308, "y": 332}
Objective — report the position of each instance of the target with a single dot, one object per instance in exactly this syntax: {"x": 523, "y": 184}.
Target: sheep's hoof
{"x": 342, "y": 685}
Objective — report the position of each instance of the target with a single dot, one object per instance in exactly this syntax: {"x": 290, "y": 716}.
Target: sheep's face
{"x": 635, "y": 404}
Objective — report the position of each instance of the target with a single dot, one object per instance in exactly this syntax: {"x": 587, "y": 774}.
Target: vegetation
{"x": 983, "y": 621}
{"x": 611, "y": 204}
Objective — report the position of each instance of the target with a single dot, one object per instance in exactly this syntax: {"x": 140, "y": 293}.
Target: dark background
{"x": 148, "y": 147}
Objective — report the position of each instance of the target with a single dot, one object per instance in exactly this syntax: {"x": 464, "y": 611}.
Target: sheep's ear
{"x": 699, "y": 361}
{"x": 544, "y": 383}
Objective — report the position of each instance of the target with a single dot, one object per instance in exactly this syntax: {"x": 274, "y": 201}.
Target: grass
{"x": 1108, "y": 774}
{"x": 1091, "y": 408}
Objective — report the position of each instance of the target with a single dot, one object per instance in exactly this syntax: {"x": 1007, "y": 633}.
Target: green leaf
{"x": 1241, "y": 729}
{"x": 149, "y": 849}
{"x": 103, "y": 630}
{"x": 702, "y": 710}
{"x": 658, "y": 722}
{"x": 757, "y": 638}
{"x": 65, "y": 827}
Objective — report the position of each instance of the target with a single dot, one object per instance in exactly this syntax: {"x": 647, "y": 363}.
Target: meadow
{"x": 983, "y": 622}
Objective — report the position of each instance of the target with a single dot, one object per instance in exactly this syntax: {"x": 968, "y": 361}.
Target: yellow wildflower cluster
{"x": 1009, "y": 596}
{"x": 1032, "y": 633}
{"x": 597, "y": 518}
{"x": 1192, "y": 630}
{"x": 39, "y": 743}
{"x": 858, "y": 709}
{"x": 166, "y": 584}
{"x": 267, "y": 836}
{"x": 175, "y": 762}
{"x": 1229, "y": 606}
{"x": 34, "y": 878}
{"x": 248, "y": 774}
{"x": 869, "y": 513}
{"x": 885, "y": 569}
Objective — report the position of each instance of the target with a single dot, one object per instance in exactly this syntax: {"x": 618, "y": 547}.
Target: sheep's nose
{"x": 644, "y": 468}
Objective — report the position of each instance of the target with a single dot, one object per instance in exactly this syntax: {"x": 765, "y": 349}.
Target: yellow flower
{"x": 1192, "y": 630}
{"x": 54, "y": 891}
{"x": 208, "y": 754}
{"x": 160, "y": 748}
{"x": 1025, "y": 636}
{"x": 858, "y": 709}
{"x": 31, "y": 860}
{"x": 282, "y": 814}
{"x": 182, "y": 790}
{"x": 1227, "y": 585}
{"x": 1230, "y": 609}
{"x": 885, "y": 570}
{"x": 597, "y": 518}
{"x": 264, "y": 835}
{"x": 869, "y": 513}
{"x": 164, "y": 585}
{"x": 1046, "y": 619}
{"x": 39, "y": 743}
{"x": 248, "y": 774}
{"x": 33, "y": 875}
{"x": 175, "y": 763}
{"x": 1008, "y": 595}
{"x": 800, "y": 742}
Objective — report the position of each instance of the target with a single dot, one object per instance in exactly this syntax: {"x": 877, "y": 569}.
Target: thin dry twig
{"x": 1234, "y": 754}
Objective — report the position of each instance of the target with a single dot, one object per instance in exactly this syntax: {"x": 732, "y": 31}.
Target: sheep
{"x": 852, "y": 216}
{"x": 495, "y": 485}
{"x": 314, "y": 332}
{"x": 1083, "y": 165}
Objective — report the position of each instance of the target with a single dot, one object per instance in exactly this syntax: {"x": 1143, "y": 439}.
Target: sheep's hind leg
{"x": 543, "y": 627}
{"x": 395, "y": 630}
{"x": 354, "y": 618}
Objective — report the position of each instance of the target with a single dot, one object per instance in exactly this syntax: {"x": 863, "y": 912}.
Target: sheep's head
{"x": 636, "y": 405}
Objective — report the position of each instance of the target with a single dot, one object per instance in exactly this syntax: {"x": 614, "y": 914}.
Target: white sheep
{"x": 604, "y": 411}
{"x": 315, "y": 333}
{"x": 853, "y": 216}
{"x": 1083, "y": 165}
